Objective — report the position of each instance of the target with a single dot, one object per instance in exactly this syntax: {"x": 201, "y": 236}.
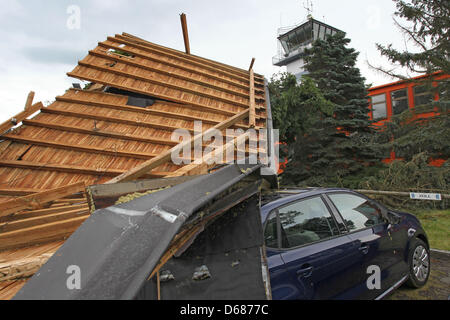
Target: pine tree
{"x": 428, "y": 29}
{"x": 341, "y": 144}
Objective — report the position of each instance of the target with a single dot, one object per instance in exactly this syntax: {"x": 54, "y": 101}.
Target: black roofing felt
{"x": 116, "y": 248}
{"x": 230, "y": 248}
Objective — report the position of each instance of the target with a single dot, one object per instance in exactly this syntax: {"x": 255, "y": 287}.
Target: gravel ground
{"x": 438, "y": 285}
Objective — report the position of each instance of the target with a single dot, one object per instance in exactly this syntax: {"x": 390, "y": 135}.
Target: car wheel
{"x": 419, "y": 264}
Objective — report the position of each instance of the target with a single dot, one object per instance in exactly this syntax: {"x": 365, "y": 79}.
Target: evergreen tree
{"x": 428, "y": 30}
{"x": 341, "y": 144}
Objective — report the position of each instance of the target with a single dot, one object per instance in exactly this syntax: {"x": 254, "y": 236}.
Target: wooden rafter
{"x": 35, "y": 200}
{"x": 166, "y": 156}
{"x": 20, "y": 117}
{"x": 69, "y": 168}
{"x": 176, "y": 66}
{"x": 252, "y": 114}
{"x": 174, "y": 72}
{"x": 150, "y": 110}
{"x": 112, "y": 151}
{"x": 214, "y": 66}
{"x": 185, "y": 33}
{"x": 200, "y": 91}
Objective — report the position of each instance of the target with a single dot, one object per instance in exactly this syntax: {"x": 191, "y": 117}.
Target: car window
{"x": 357, "y": 212}
{"x": 304, "y": 222}
{"x": 270, "y": 232}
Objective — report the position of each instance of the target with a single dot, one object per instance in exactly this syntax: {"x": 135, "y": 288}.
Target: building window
{"x": 379, "y": 106}
{"x": 399, "y": 101}
{"x": 422, "y": 95}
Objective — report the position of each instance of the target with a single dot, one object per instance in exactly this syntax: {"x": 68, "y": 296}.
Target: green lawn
{"x": 437, "y": 226}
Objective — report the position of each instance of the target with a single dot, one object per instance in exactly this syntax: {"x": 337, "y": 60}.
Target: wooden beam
{"x": 150, "y": 110}
{"x": 200, "y": 79}
{"x": 29, "y": 101}
{"x": 20, "y": 117}
{"x": 94, "y": 116}
{"x": 118, "y": 85}
{"x": 42, "y": 212}
{"x": 39, "y": 220}
{"x": 23, "y": 267}
{"x": 215, "y": 96}
{"x": 70, "y": 168}
{"x": 194, "y": 168}
{"x": 203, "y": 62}
{"x": 34, "y": 201}
{"x": 174, "y": 64}
{"x": 252, "y": 112}
{"x": 185, "y": 33}
{"x": 251, "y": 64}
{"x": 109, "y": 134}
{"x": 18, "y": 192}
{"x": 100, "y": 133}
{"x": 58, "y": 230}
{"x": 166, "y": 156}
{"x": 82, "y": 148}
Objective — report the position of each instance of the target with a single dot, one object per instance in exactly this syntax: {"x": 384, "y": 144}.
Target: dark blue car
{"x": 339, "y": 244}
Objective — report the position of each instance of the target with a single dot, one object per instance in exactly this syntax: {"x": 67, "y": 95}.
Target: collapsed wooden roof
{"x": 90, "y": 136}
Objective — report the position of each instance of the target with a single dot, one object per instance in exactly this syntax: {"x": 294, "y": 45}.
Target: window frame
{"x": 420, "y": 94}
{"x": 357, "y": 195}
{"x": 376, "y": 103}
{"x": 275, "y": 211}
{"x": 391, "y": 93}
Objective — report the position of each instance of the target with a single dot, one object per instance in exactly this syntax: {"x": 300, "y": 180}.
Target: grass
{"x": 437, "y": 226}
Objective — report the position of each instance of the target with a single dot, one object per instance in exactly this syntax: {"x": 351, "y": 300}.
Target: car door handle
{"x": 364, "y": 248}
{"x": 305, "y": 271}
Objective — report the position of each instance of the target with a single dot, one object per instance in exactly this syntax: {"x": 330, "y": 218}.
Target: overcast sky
{"x": 41, "y": 41}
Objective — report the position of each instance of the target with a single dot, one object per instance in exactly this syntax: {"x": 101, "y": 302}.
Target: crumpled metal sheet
{"x": 117, "y": 247}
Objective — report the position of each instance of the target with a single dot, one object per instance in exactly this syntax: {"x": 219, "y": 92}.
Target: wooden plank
{"x": 86, "y": 76}
{"x": 85, "y": 115}
{"x": 105, "y": 195}
{"x": 251, "y": 64}
{"x": 82, "y": 148}
{"x": 185, "y": 34}
{"x": 117, "y": 189}
{"x": 34, "y": 221}
{"x": 20, "y": 117}
{"x": 23, "y": 267}
{"x": 149, "y": 110}
{"x": 13, "y": 191}
{"x": 251, "y": 117}
{"x": 215, "y": 96}
{"x": 35, "y": 200}
{"x": 70, "y": 168}
{"x": 110, "y": 134}
{"x": 29, "y": 101}
{"x": 41, "y": 212}
{"x": 100, "y": 133}
{"x": 150, "y": 57}
{"x": 193, "y": 59}
{"x": 200, "y": 80}
{"x": 166, "y": 156}
{"x": 194, "y": 168}
{"x": 40, "y": 234}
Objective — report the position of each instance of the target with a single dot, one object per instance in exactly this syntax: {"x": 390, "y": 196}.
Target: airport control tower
{"x": 292, "y": 42}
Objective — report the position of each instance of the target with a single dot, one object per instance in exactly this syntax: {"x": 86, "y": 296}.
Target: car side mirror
{"x": 393, "y": 218}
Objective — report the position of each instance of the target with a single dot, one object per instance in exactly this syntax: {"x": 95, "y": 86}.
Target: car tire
{"x": 419, "y": 264}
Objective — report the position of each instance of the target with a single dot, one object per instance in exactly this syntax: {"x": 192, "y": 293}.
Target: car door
{"x": 308, "y": 256}
{"x": 375, "y": 240}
